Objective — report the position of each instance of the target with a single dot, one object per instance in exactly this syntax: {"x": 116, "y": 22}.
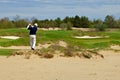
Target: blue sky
{"x": 51, "y": 9}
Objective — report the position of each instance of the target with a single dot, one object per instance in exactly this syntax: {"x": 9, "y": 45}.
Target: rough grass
{"x": 56, "y": 49}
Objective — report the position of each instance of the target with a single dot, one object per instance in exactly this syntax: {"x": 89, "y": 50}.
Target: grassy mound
{"x": 60, "y": 50}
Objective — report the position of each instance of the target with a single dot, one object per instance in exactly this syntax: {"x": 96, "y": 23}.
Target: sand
{"x": 10, "y": 37}
{"x": 61, "y": 68}
{"x": 90, "y": 37}
{"x": 87, "y": 37}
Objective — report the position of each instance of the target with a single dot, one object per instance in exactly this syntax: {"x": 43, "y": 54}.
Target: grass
{"x": 14, "y": 32}
{"x": 54, "y": 36}
{"x": 6, "y": 52}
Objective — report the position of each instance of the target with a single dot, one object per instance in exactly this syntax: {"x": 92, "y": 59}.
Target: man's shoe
{"x": 32, "y": 48}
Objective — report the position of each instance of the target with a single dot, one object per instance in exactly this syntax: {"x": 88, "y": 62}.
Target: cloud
{"x": 5, "y": 1}
{"x": 59, "y": 8}
{"x": 63, "y": 3}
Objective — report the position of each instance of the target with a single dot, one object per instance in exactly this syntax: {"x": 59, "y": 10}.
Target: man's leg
{"x": 31, "y": 41}
{"x": 34, "y": 41}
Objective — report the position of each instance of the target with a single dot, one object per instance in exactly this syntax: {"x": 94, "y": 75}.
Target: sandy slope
{"x": 61, "y": 68}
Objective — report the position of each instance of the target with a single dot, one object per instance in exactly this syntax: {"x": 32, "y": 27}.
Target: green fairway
{"x": 54, "y": 36}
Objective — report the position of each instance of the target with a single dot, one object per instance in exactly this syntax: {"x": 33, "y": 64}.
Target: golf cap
{"x": 36, "y": 24}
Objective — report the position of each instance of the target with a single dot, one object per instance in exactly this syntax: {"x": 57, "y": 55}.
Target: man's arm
{"x": 28, "y": 26}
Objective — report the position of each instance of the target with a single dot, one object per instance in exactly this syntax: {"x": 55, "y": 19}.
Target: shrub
{"x": 69, "y": 26}
{"x": 63, "y": 26}
{"x": 66, "y": 26}
{"x": 100, "y": 27}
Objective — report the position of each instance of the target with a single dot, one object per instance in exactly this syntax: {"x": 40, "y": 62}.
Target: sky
{"x": 51, "y": 9}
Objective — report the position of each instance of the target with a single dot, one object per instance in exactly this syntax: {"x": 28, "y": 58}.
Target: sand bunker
{"x": 61, "y": 68}
{"x": 10, "y": 37}
{"x": 87, "y": 37}
{"x": 90, "y": 37}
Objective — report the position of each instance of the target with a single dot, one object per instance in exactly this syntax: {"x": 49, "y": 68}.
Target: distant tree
{"x": 97, "y": 21}
{"x": 69, "y": 20}
{"x": 84, "y": 22}
{"x": 41, "y": 23}
{"x": 35, "y": 21}
{"x": 118, "y": 23}
{"x": 110, "y": 21}
{"x": 6, "y": 23}
{"x": 53, "y": 24}
{"x": 76, "y": 22}
{"x": 46, "y": 23}
{"x": 66, "y": 24}
{"x": 66, "y": 19}
{"x": 58, "y": 22}
{"x": 21, "y": 23}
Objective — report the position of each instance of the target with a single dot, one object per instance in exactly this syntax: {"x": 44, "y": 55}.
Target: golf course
{"x": 59, "y": 39}
{"x": 60, "y": 55}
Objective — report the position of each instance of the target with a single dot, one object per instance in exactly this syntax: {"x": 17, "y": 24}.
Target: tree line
{"x": 66, "y": 23}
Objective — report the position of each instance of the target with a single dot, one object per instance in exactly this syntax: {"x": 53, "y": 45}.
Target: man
{"x": 33, "y": 30}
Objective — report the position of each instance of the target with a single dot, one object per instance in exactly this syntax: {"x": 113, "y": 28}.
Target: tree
{"x": 84, "y": 22}
{"x": 37, "y": 21}
{"x": 21, "y": 23}
{"x": 53, "y": 24}
{"x": 6, "y": 23}
{"x": 118, "y": 23}
{"x": 58, "y": 22}
{"x": 76, "y": 22}
{"x": 66, "y": 19}
{"x": 110, "y": 21}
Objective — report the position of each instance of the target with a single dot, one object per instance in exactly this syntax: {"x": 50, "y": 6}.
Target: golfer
{"x": 33, "y": 30}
